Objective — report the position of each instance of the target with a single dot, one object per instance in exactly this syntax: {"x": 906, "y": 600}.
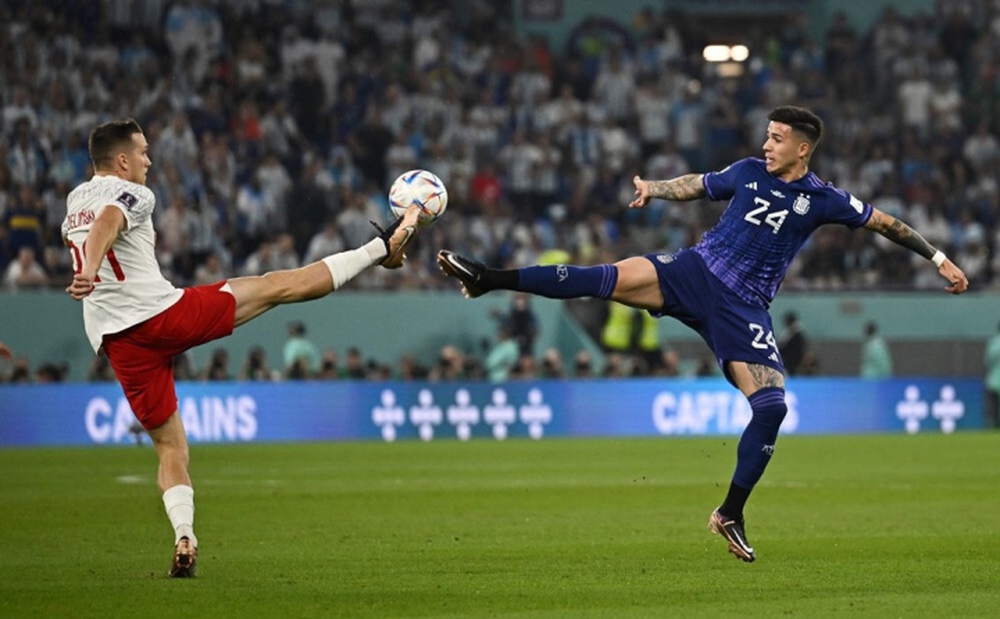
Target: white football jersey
{"x": 130, "y": 287}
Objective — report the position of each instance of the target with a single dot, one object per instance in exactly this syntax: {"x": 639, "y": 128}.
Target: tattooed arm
{"x": 905, "y": 236}
{"x": 680, "y": 189}
{"x": 899, "y": 233}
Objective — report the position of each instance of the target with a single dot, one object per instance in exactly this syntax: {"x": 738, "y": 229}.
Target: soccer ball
{"x": 422, "y": 188}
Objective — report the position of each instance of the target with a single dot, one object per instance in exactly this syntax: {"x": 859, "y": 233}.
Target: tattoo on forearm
{"x": 687, "y": 187}
{"x": 901, "y": 234}
{"x": 764, "y": 376}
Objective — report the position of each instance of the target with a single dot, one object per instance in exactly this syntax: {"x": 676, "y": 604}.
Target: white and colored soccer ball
{"x": 422, "y": 188}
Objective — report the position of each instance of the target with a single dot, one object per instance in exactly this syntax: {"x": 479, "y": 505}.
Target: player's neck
{"x": 794, "y": 174}
{"x": 111, "y": 174}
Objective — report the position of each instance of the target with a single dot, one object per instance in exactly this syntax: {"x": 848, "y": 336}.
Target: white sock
{"x": 179, "y": 503}
{"x": 347, "y": 264}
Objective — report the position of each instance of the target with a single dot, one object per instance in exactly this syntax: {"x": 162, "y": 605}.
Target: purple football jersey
{"x": 766, "y": 223}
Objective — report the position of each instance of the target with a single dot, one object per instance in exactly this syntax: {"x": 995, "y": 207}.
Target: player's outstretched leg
{"x": 735, "y": 533}
{"x": 559, "y": 281}
{"x": 467, "y": 271}
{"x": 397, "y": 236}
{"x": 185, "y": 559}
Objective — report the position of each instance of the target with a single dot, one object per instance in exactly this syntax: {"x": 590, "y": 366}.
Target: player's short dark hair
{"x": 108, "y": 138}
{"x": 799, "y": 119}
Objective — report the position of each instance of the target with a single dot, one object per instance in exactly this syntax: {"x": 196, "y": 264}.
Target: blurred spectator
{"x": 794, "y": 345}
{"x": 275, "y": 186}
{"x": 614, "y": 366}
{"x": 669, "y": 365}
{"x": 329, "y": 365}
{"x": 176, "y": 143}
{"x": 876, "y": 360}
{"x": 521, "y": 323}
{"x": 25, "y": 272}
{"x": 255, "y": 366}
{"x": 184, "y": 367}
{"x": 210, "y": 271}
{"x": 552, "y": 365}
{"x": 264, "y": 260}
{"x": 450, "y": 364}
{"x": 284, "y": 252}
{"x": 25, "y": 221}
{"x": 279, "y": 131}
{"x": 25, "y": 156}
{"x": 503, "y": 356}
{"x": 526, "y": 368}
{"x": 301, "y": 356}
{"x": 324, "y": 243}
{"x": 20, "y": 371}
{"x": 100, "y": 370}
{"x": 583, "y": 366}
{"x": 252, "y": 209}
{"x": 411, "y": 369}
{"x": 217, "y": 367}
{"x": 354, "y": 365}
{"x": 49, "y": 372}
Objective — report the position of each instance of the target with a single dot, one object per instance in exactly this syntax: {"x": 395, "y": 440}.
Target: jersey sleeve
{"x": 722, "y": 185}
{"x": 843, "y": 208}
{"x": 136, "y": 202}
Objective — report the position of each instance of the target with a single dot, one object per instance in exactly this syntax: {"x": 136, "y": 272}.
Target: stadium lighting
{"x": 716, "y": 53}
{"x": 725, "y": 53}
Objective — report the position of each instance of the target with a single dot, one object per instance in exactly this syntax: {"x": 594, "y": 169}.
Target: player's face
{"x": 138, "y": 159}
{"x": 784, "y": 151}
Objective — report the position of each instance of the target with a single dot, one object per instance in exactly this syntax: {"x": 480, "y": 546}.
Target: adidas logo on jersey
{"x": 752, "y": 185}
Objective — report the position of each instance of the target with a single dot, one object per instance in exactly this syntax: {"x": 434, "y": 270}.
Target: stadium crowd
{"x": 276, "y": 128}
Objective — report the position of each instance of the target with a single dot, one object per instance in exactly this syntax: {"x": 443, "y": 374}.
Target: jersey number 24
{"x": 773, "y": 219}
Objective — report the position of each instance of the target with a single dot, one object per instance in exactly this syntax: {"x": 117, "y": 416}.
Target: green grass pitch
{"x": 845, "y": 526}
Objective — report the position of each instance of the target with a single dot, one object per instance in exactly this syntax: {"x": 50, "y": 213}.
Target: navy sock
{"x": 568, "y": 282}
{"x": 756, "y": 447}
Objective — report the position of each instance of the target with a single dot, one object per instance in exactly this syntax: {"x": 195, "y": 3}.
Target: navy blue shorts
{"x": 732, "y": 328}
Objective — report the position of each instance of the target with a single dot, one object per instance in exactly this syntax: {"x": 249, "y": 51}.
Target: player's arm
{"x": 680, "y": 189}
{"x": 101, "y": 237}
{"x": 905, "y": 236}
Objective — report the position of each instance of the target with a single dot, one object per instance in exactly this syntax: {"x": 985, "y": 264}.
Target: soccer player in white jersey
{"x": 141, "y": 320}
{"x": 723, "y": 286}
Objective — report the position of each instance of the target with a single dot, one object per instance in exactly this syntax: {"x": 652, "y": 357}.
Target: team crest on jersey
{"x": 127, "y": 200}
{"x": 801, "y": 204}
{"x": 665, "y": 258}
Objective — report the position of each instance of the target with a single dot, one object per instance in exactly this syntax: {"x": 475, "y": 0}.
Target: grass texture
{"x": 845, "y": 526}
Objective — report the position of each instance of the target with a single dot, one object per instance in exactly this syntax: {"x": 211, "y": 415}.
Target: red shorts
{"x": 142, "y": 356}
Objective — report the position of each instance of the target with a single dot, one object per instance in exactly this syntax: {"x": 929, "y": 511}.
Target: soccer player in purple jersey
{"x": 722, "y": 287}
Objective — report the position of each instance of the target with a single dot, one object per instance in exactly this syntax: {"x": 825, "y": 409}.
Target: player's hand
{"x": 5, "y": 352}
{"x": 641, "y": 193}
{"x": 83, "y": 285}
{"x": 959, "y": 282}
